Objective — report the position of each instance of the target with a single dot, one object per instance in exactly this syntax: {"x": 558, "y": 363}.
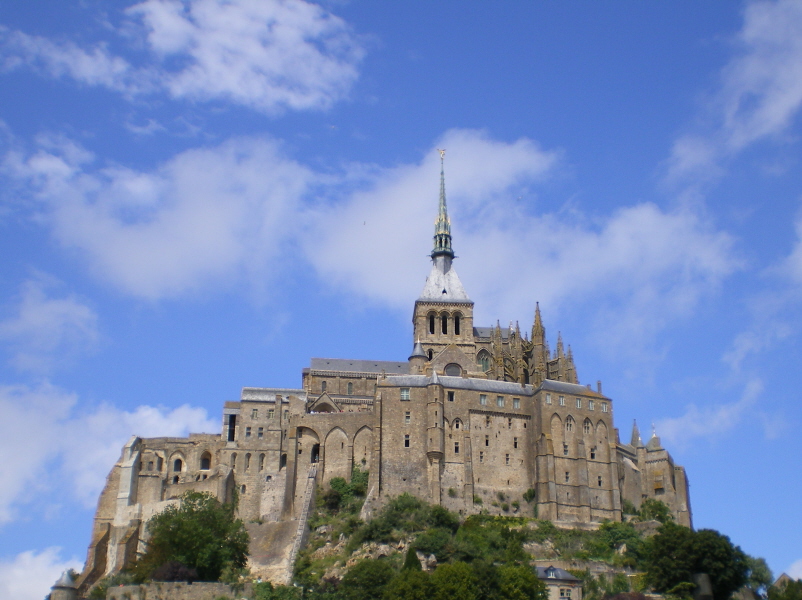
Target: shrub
{"x": 477, "y": 499}
{"x": 529, "y": 495}
{"x": 452, "y": 493}
{"x": 174, "y": 571}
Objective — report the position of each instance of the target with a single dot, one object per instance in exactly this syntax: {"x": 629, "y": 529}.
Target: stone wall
{"x": 177, "y": 591}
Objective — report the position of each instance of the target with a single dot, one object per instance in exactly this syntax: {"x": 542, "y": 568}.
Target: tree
{"x": 676, "y": 553}
{"x": 200, "y": 533}
{"x": 410, "y": 584}
{"x": 760, "y": 576}
{"x": 411, "y": 561}
{"x": 790, "y": 591}
{"x": 455, "y": 580}
{"x": 367, "y": 580}
{"x": 518, "y": 582}
{"x": 652, "y": 509}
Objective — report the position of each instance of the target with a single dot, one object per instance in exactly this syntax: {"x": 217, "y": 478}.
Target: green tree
{"x": 652, "y": 509}
{"x": 411, "y": 561}
{"x": 518, "y": 582}
{"x": 198, "y": 532}
{"x": 367, "y": 580}
{"x": 790, "y": 591}
{"x": 726, "y": 564}
{"x": 410, "y": 584}
{"x": 455, "y": 580}
{"x": 760, "y": 576}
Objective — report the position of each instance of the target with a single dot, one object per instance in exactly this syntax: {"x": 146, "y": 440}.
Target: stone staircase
{"x": 301, "y": 531}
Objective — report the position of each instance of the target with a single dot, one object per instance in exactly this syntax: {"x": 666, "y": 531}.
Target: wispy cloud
{"x": 268, "y": 56}
{"x": 47, "y": 328}
{"x": 29, "y": 575}
{"x": 82, "y": 445}
{"x": 758, "y": 96}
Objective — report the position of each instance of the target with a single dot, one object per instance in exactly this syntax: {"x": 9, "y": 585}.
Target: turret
{"x": 417, "y": 359}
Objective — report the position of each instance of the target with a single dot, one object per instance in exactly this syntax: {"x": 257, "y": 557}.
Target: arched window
{"x": 569, "y": 424}
{"x": 205, "y": 461}
{"x": 175, "y": 479}
{"x": 431, "y": 354}
{"x": 444, "y": 324}
{"x": 178, "y": 464}
{"x": 483, "y": 360}
{"x": 322, "y": 386}
{"x": 457, "y": 423}
{"x": 456, "y": 324}
{"x": 159, "y": 463}
{"x": 261, "y": 462}
{"x": 242, "y": 489}
{"x": 350, "y": 388}
{"x": 431, "y": 324}
{"x": 247, "y": 462}
{"x": 453, "y": 370}
{"x": 586, "y": 427}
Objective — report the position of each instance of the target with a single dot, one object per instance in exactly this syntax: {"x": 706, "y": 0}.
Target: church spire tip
{"x": 442, "y": 226}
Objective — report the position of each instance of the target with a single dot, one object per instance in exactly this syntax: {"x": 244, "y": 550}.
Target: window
{"x": 451, "y": 396}
{"x": 404, "y": 393}
{"x": 456, "y": 324}
{"x": 506, "y": 459}
{"x": 178, "y": 464}
{"x": 255, "y": 413}
{"x": 205, "y": 461}
{"x": 350, "y": 388}
{"x": 431, "y": 354}
{"x": 562, "y": 400}
{"x": 234, "y": 461}
{"x": 481, "y": 457}
{"x": 590, "y": 405}
{"x": 600, "y": 480}
{"x": 509, "y": 423}
{"x": 406, "y": 441}
{"x": 407, "y": 418}
{"x": 548, "y": 398}
{"x": 515, "y": 442}
{"x": 487, "y": 440}
{"x": 247, "y": 462}
{"x": 260, "y": 433}
{"x": 586, "y": 427}
{"x": 286, "y": 414}
{"x": 567, "y": 477}
{"x": 261, "y": 462}
{"x": 453, "y": 370}
{"x": 483, "y": 399}
{"x": 565, "y": 593}
{"x": 569, "y": 424}
{"x": 579, "y": 402}
{"x": 565, "y": 449}
{"x": 247, "y": 432}
{"x": 444, "y": 324}
{"x": 175, "y": 479}
{"x": 593, "y": 453}
{"x": 150, "y": 465}
{"x": 516, "y": 403}
{"x": 483, "y": 360}
{"x": 456, "y": 447}
{"x": 499, "y": 400}
{"x": 487, "y": 421}
{"x": 457, "y": 424}
{"x": 242, "y": 489}
{"x": 271, "y": 413}
{"x": 322, "y": 386}
{"x": 604, "y": 407}
{"x": 431, "y": 327}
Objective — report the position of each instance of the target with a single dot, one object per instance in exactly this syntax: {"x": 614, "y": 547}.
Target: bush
{"x": 452, "y": 493}
{"x": 366, "y": 580}
{"x": 529, "y": 495}
{"x": 434, "y": 541}
{"x": 477, "y": 499}
{"x": 174, "y": 571}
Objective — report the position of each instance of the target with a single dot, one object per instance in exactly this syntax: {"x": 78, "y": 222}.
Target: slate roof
{"x": 443, "y": 284}
{"x": 487, "y": 332}
{"x": 463, "y": 383}
{"x": 569, "y": 388}
{"x": 359, "y": 366}
{"x": 559, "y": 574}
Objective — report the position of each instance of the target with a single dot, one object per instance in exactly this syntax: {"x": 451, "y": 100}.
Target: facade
{"x": 560, "y": 583}
{"x": 474, "y": 419}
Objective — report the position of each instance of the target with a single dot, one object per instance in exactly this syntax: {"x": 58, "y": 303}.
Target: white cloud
{"x": 711, "y": 421}
{"x": 45, "y": 331}
{"x": 29, "y": 575}
{"x": 205, "y": 216}
{"x": 759, "y": 94}
{"x": 75, "y": 450}
{"x": 268, "y": 55}
{"x": 795, "y": 570}
{"x": 645, "y": 263}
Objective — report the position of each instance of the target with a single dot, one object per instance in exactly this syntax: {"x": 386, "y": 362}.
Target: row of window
{"x": 592, "y": 451}
{"x": 500, "y": 400}
{"x": 271, "y": 413}
{"x": 599, "y": 480}
{"x": 442, "y": 320}
{"x": 591, "y": 403}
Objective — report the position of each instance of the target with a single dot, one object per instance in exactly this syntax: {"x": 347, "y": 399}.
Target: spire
{"x": 417, "y": 351}
{"x": 537, "y": 327}
{"x": 637, "y": 442}
{"x": 442, "y": 226}
{"x": 560, "y": 351}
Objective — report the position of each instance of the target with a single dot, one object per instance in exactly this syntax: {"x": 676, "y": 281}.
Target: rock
{"x": 323, "y": 529}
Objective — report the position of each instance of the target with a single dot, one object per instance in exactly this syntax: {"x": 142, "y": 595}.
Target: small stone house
{"x": 561, "y": 584}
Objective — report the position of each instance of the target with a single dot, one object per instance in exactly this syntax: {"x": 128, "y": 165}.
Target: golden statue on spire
{"x": 442, "y": 153}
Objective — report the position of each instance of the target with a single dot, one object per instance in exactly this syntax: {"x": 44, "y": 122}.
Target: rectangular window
{"x": 407, "y": 418}
{"x": 406, "y": 441}
{"x": 567, "y": 477}
{"x": 286, "y": 414}
{"x": 516, "y": 403}
{"x": 481, "y": 457}
{"x": 562, "y": 400}
{"x": 451, "y": 396}
{"x": 270, "y": 413}
{"x": 247, "y": 432}
{"x": 487, "y": 421}
{"x": 591, "y": 405}
{"x": 600, "y": 480}
{"x": 487, "y": 440}
{"x": 515, "y": 442}
{"x": 260, "y": 433}
{"x": 499, "y": 400}
{"x": 548, "y": 398}
{"x": 404, "y": 393}
{"x": 506, "y": 459}
{"x": 565, "y": 449}
{"x": 254, "y": 413}
{"x": 509, "y": 423}
{"x": 593, "y": 454}
{"x": 483, "y": 399}
{"x": 456, "y": 447}
{"x": 604, "y": 407}
{"x": 579, "y": 402}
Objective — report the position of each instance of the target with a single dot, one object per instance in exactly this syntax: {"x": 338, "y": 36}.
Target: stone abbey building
{"x": 474, "y": 413}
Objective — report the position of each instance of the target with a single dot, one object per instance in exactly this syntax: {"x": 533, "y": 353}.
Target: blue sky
{"x": 199, "y": 196}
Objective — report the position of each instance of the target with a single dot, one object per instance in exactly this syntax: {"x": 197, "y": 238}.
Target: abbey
{"x": 475, "y": 419}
